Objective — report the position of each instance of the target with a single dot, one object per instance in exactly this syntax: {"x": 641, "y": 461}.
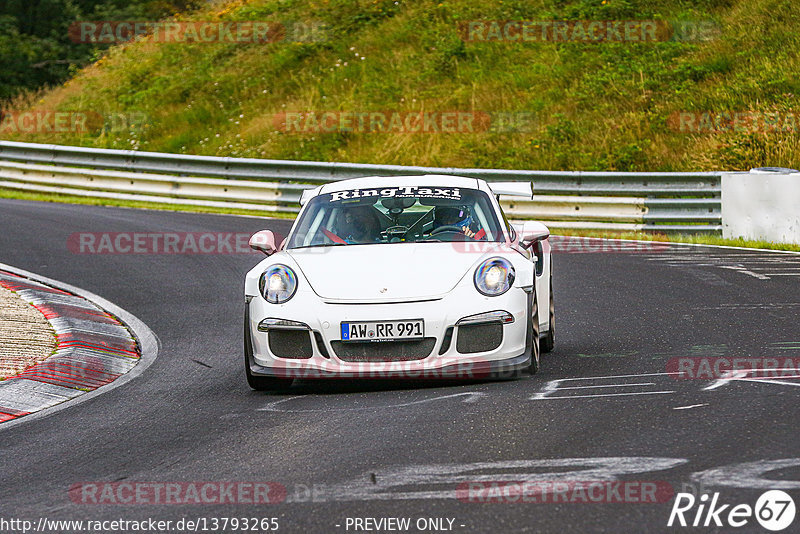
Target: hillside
{"x": 36, "y": 46}
{"x": 553, "y": 104}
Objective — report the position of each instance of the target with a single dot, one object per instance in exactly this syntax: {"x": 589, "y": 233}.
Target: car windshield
{"x": 396, "y": 215}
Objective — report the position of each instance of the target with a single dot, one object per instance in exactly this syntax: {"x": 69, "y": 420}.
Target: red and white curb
{"x": 97, "y": 345}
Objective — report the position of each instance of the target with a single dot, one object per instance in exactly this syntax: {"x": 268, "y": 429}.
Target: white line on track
{"x": 769, "y": 381}
{"x": 610, "y": 386}
{"x": 607, "y": 395}
{"x": 554, "y": 386}
{"x": 691, "y": 406}
{"x": 741, "y": 375}
{"x": 745, "y": 271}
{"x": 724, "y": 381}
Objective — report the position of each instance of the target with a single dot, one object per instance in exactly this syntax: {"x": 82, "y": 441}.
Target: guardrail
{"x": 650, "y": 201}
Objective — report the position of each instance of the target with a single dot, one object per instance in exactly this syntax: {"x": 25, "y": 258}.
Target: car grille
{"x": 291, "y": 344}
{"x": 479, "y": 337}
{"x": 384, "y": 351}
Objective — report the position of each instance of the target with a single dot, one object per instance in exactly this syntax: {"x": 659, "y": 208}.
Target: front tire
{"x": 533, "y": 336}
{"x": 549, "y": 339}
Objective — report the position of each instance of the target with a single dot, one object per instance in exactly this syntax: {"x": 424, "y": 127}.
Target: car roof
{"x": 437, "y": 180}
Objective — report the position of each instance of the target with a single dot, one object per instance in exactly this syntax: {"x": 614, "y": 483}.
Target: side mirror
{"x": 531, "y": 232}
{"x": 264, "y": 241}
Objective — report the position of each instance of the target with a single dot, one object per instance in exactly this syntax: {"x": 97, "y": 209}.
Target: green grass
{"x": 603, "y": 106}
{"x": 89, "y": 201}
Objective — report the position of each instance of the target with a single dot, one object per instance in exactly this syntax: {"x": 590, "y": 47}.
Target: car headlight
{"x": 494, "y": 277}
{"x": 278, "y": 284}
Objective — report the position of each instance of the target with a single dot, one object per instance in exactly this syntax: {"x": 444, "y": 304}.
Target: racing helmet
{"x": 451, "y": 216}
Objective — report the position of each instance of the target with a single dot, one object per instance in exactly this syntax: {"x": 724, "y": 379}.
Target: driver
{"x": 454, "y": 216}
{"x": 359, "y": 224}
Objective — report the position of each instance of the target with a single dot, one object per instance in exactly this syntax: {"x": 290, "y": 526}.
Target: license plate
{"x": 383, "y": 330}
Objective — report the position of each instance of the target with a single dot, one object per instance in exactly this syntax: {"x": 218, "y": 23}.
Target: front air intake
{"x": 472, "y": 338}
{"x": 290, "y": 344}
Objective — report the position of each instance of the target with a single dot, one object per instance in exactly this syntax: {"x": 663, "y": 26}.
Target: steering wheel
{"x": 447, "y": 228}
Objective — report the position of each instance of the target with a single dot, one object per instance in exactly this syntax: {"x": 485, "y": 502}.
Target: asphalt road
{"x": 601, "y": 408}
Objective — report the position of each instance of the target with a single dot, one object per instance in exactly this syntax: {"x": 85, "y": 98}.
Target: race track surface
{"x": 602, "y": 407}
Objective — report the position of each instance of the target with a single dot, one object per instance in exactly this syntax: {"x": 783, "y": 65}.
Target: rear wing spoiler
{"x": 308, "y": 194}
{"x": 516, "y": 189}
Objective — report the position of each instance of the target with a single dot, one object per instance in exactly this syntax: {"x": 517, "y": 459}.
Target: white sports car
{"x": 399, "y": 277}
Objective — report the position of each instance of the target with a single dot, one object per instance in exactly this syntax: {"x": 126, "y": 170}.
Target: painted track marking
{"x": 690, "y": 406}
{"x": 742, "y": 375}
{"x": 556, "y": 385}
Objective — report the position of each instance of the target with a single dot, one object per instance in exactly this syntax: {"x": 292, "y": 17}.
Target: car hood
{"x": 387, "y": 272}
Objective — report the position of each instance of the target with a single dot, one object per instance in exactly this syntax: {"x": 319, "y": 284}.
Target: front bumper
{"x": 315, "y": 324}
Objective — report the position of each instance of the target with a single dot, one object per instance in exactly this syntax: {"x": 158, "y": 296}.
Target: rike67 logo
{"x": 774, "y": 510}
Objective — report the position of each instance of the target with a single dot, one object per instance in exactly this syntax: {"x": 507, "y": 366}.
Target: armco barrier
{"x": 652, "y": 201}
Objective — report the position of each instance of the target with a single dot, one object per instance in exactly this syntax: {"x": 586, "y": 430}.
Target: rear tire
{"x": 549, "y": 339}
{"x": 259, "y": 383}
